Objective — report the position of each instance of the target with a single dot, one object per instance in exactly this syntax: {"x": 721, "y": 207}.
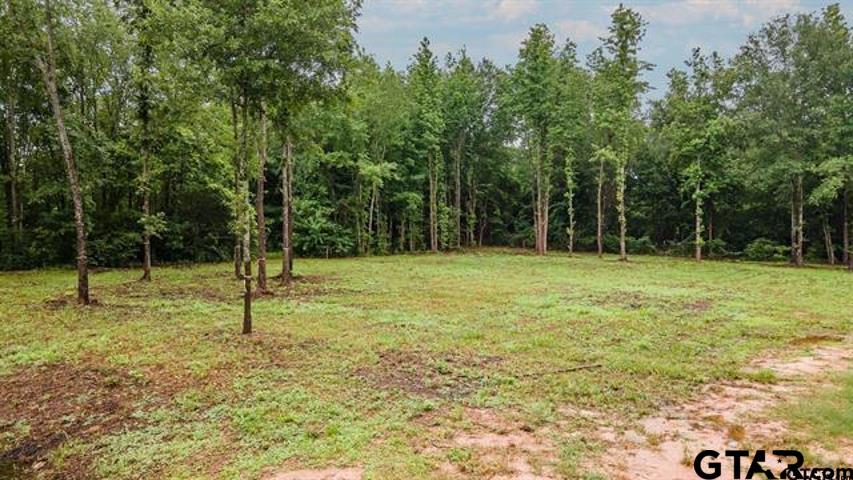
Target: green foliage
{"x": 766, "y": 250}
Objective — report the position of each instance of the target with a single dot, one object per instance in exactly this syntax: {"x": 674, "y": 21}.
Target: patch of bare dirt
{"x": 48, "y": 405}
{"x": 724, "y": 416}
{"x": 428, "y": 374}
{"x": 62, "y": 301}
{"x": 500, "y": 449}
{"x": 54, "y": 403}
{"x": 353, "y": 473}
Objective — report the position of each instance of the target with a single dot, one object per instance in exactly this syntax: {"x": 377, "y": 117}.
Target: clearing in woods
{"x": 489, "y": 364}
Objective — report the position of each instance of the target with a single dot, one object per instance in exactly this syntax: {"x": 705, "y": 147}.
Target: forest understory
{"x": 485, "y": 364}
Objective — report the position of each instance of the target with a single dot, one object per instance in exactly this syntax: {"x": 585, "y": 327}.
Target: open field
{"x": 490, "y": 364}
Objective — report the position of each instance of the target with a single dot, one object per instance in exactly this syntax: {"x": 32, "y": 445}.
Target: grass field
{"x": 377, "y": 362}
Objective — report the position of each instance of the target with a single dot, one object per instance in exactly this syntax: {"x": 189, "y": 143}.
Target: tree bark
{"x": 457, "y": 200}
{"x": 845, "y": 226}
{"x": 570, "y": 199}
{"x": 697, "y": 215}
{"x": 259, "y": 203}
{"x": 620, "y": 207}
{"x": 599, "y": 236}
{"x": 238, "y": 248}
{"x": 48, "y": 69}
{"x": 827, "y": 238}
{"x": 471, "y": 216}
{"x": 286, "y": 185}
{"x": 146, "y": 60}
{"x": 433, "y": 204}
{"x": 245, "y": 219}
{"x": 8, "y": 167}
{"x": 797, "y": 221}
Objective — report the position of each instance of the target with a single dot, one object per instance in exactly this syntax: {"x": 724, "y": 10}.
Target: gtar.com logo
{"x": 709, "y": 466}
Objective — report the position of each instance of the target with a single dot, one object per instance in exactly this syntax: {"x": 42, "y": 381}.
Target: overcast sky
{"x": 391, "y": 29}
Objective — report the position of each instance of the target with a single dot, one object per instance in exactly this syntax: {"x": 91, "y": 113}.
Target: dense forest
{"x": 139, "y": 132}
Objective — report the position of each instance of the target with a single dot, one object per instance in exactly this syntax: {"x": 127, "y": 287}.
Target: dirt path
{"x": 661, "y": 447}
{"x": 725, "y": 416}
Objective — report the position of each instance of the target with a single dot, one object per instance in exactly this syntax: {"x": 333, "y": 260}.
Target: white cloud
{"x": 748, "y": 13}
{"x": 580, "y": 30}
{"x": 507, "y": 10}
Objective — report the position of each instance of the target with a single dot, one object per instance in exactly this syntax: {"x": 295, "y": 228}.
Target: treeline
{"x": 150, "y": 131}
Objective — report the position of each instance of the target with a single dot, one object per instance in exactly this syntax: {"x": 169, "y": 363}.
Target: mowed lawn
{"x": 367, "y": 361}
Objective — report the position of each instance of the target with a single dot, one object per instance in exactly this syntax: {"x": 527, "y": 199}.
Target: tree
{"x": 780, "y": 105}
{"x": 427, "y": 129}
{"x": 618, "y": 91}
{"x": 533, "y": 80}
{"x": 569, "y": 135}
{"x": 46, "y": 62}
{"x": 696, "y": 126}
{"x": 462, "y": 102}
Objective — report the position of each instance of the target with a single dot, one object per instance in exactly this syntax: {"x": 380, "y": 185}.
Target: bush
{"x": 763, "y": 249}
{"x": 315, "y": 234}
{"x": 642, "y": 245}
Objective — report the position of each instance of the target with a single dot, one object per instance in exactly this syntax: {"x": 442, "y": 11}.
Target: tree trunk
{"x": 7, "y": 168}
{"x": 457, "y": 200}
{"x": 238, "y": 248}
{"x": 845, "y": 226}
{"x": 370, "y": 208}
{"x": 286, "y": 184}
{"x": 146, "y": 212}
{"x": 246, "y": 219}
{"x": 48, "y": 69}
{"x": 471, "y": 216}
{"x": 710, "y": 227}
{"x": 599, "y": 236}
{"x": 259, "y": 204}
{"x": 797, "y": 221}
{"x": 146, "y": 59}
{"x": 697, "y": 215}
{"x": 620, "y": 207}
{"x": 433, "y": 205}
{"x": 571, "y": 201}
{"x": 827, "y": 238}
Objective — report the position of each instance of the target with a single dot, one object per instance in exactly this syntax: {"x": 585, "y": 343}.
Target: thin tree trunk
{"x": 571, "y": 200}
{"x": 797, "y": 222}
{"x": 238, "y": 248}
{"x": 620, "y": 207}
{"x": 146, "y": 59}
{"x": 845, "y": 226}
{"x": 697, "y": 215}
{"x": 246, "y": 219}
{"x": 457, "y": 201}
{"x": 710, "y": 227}
{"x": 370, "y": 217}
{"x": 48, "y": 70}
{"x": 599, "y": 236}
{"x": 471, "y": 216}
{"x": 146, "y": 212}
{"x": 259, "y": 204}
{"x": 433, "y": 205}
{"x": 286, "y": 274}
{"x": 827, "y": 238}
{"x": 9, "y": 166}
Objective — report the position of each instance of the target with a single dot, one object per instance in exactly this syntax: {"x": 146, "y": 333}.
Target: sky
{"x": 391, "y": 29}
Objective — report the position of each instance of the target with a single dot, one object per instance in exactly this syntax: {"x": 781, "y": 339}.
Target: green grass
{"x": 343, "y": 369}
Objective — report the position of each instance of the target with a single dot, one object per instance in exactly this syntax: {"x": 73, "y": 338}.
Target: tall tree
{"x": 569, "y": 135}
{"x": 533, "y": 81}
{"x": 696, "y": 126}
{"x": 462, "y": 102}
{"x": 618, "y": 102}
{"x": 427, "y": 129}
{"x": 46, "y": 62}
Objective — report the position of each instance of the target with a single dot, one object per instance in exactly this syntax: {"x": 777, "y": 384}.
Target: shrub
{"x": 766, "y": 250}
